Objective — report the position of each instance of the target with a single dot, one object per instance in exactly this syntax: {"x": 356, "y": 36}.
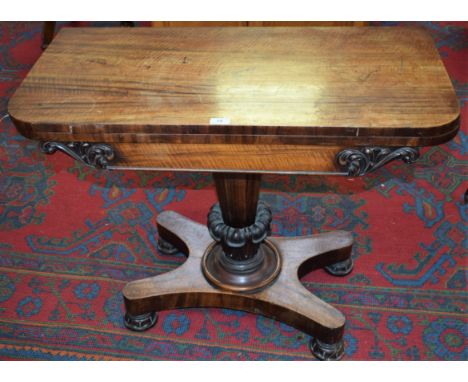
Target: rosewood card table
{"x": 240, "y": 102}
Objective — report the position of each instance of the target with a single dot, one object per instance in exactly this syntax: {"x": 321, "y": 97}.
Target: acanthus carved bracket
{"x": 97, "y": 155}
{"x": 357, "y": 162}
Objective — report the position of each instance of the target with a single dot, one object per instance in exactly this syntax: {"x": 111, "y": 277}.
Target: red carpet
{"x": 72, "y": 236}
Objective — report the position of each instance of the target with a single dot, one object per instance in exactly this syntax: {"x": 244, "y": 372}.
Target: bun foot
{"x": 341, "y": 268}
{"x": 141, "y": 322}
{"x": 327, "y": 352}
{"x": 166, "y": 248}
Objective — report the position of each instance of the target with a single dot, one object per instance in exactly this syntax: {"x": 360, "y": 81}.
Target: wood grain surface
{"x": 294, "y": 159}
{"x": 258, "y": 23}
{"x": 275, "y": 85}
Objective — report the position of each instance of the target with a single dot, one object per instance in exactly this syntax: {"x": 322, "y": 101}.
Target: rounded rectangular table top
{"x": 278, "y": 85}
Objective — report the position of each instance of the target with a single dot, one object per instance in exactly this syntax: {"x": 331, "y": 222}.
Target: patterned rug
{"x": 72, "y": 236}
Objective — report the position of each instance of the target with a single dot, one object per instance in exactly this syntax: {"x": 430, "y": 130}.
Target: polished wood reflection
{"x": 272, "y": 85}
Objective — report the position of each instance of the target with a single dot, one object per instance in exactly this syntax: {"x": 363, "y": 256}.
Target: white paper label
{"x": 220, "y": 121}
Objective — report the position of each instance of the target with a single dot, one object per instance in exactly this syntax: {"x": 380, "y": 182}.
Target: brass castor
{"x": 327, "y": 352}
{"x": 341, "y": 268}
{"x": 166, "y": 248}
{"x": 141, "y": 322}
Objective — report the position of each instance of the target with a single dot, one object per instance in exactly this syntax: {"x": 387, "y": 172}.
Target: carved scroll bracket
{"x": 97, "y": 155}
{"x": 357, "y": 162}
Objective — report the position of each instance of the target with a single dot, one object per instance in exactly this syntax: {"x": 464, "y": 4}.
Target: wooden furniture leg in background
{"x": 48, "y": 33}
{"x": 233, "y": 265}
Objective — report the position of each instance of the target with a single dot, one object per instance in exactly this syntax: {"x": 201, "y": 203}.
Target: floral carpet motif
{"x": 72, "y": 236}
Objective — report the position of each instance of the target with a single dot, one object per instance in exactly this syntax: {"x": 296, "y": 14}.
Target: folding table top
{"x": 278, "y": 85}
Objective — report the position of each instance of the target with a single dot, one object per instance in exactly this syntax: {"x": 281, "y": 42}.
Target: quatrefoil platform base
{"x": 284, "y": 299}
